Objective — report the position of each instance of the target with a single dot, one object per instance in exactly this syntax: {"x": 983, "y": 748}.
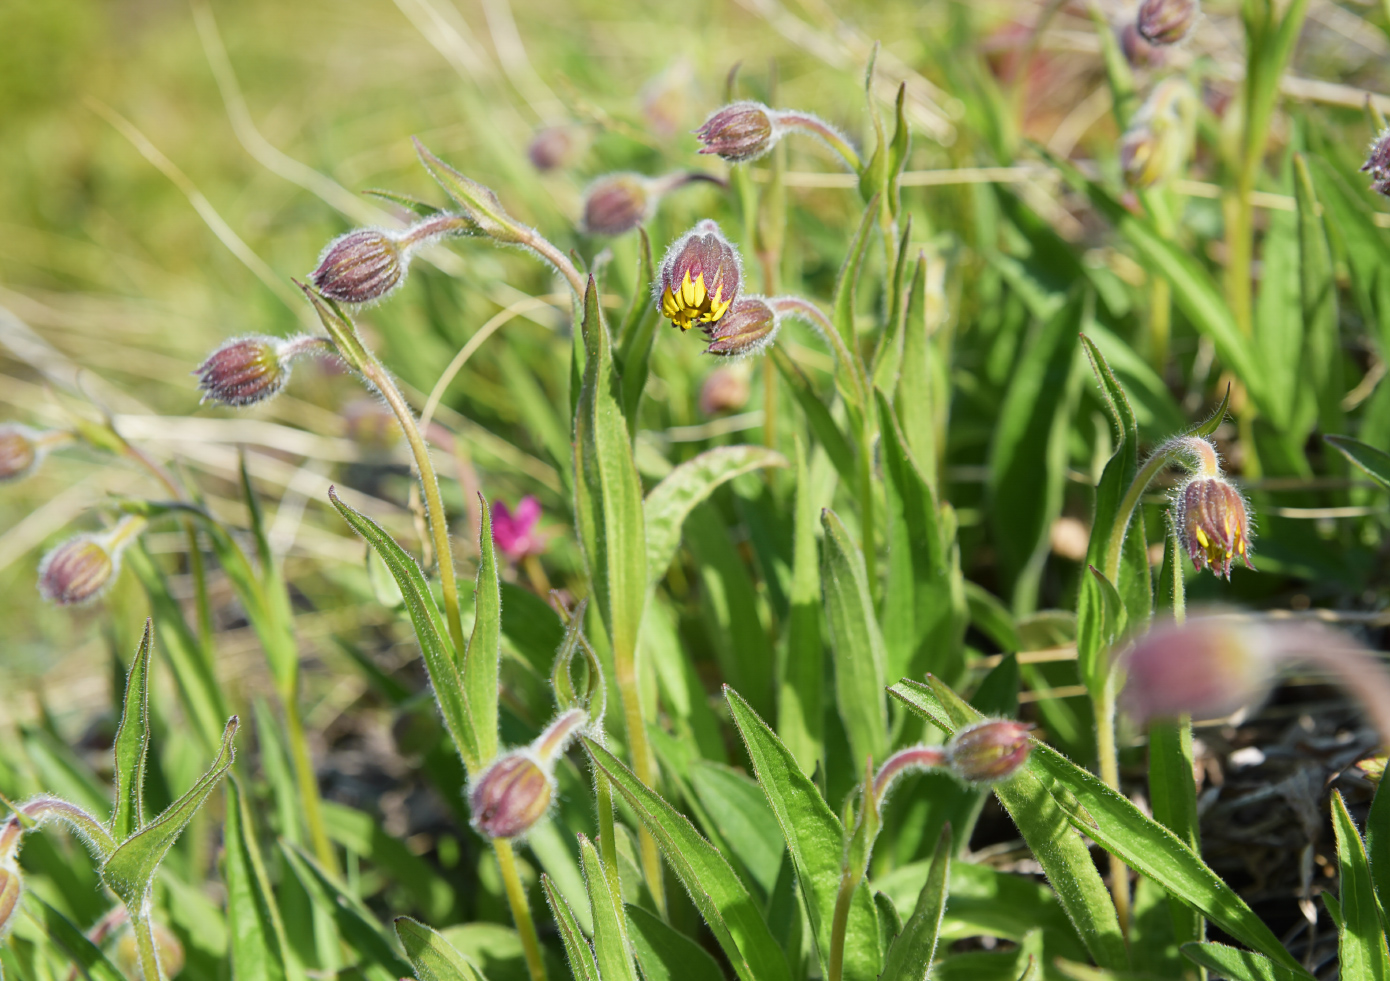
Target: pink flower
{"x": 515, "y": 531}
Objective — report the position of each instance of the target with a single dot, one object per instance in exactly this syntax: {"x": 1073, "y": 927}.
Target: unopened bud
{"x": 247, "y": 370}
{"x": 80, "y": 568}
{"x": 22, "y": 449}
{"x": 1166, "y": 21}
{"x": 990, "y": 751}
{"x": 361, "y": 266}
{"x": 617, "y": 203}
{"x": 1139, "y": 52}
{"x": 1207, "y": 667}
{"x": 739, "y": 132}
{"x": 748, "y": 329}
{"x": 1213, "y": 524}
{"x": 1378, "y": 163}
{"x": 1156, "y": 145}
{"x": 725, "y": 390}
{"x": 554, "y": 147}
{"x": 699, "y": 279}
{"x": 515, "y": 791}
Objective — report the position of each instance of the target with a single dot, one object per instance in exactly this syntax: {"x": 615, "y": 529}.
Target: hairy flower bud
{"x": 1208, "y": 667}
{"x": 80, "y": 568}
{"x": 516, "y": 789}
{"x": 361, "y": 266}
{"x": 699, "y": 278}
{"x": 22, "y": 449}
{"x": 554, "y": 147}
{"x": 989, "y": 751}
{"x": 1166, "y": 22}
{"x": 739, "y": 132}
{"x": 617, "y": 203}
{"x": 1213, "y": 524}
{"x": 1139, "y": 52}
{"x": 1156, "y": 145}
{"x": 1378, "y": 163}
{"x": 725, "y": 390}
{"x": 748, "y": 329}
{"x": 247, "y": 370}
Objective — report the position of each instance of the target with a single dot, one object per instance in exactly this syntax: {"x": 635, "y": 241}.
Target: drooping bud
{"x": 247, "y": 370}
{"x": 989, "y": 751}
{"x": 22, "y": 449}
{"x": 80, "y": 568}
{"x": 554, "y": 147}
{"x": 1139, "y": 52}
{"x": 1166, "y": 22}
{"x": 748, "y": 329}
{"x": 725, "y": 390}
{"x": 361, "y": 266}
{"x": 1207, "y": 667}
{"x": 739, "y": 132}
{"x": 1378, "y": 163}
{"x": 1156, "y": 145}
{"x": 699, "y": 279}
{"x": 1213, "y": 524}
{"x": 516, "y": 789}
{"x": 617, "y": 203}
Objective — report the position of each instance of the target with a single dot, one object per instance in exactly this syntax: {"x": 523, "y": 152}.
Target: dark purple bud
{"x": 361, "y": 266}
{"x": 987, "y": 752}
{"x": 553, "y": 147}
{"x": 511, "y": 795}
{"x": 739, "y": 132}
{"x": 1207, "y": 668}
{"x": 1213, "y": 524}
{"x": 1139, "y": 52}
{"x": 80, "y": 568}
{"x": 1166, "y": 21}
{"x": 247, "y": 370}
{"x": 699, "y": 278}
{"x": 617, "y": 203}
{"x": 19, "y": 451}
{"x": 748, "y": 329}
{"x": 1378, "y": 163}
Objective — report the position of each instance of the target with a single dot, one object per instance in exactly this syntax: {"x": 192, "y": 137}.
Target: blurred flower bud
{"x": 515, "y": 531}
{"x": 361, "y": 266}
{"x": 1156, "y": 145}
{"x": 166, "y": 945}
{"x": 22, "y": 449}
{"x": 739, "y": 132}
{"x": 247, "y": 370}
{"x": 515, "y": 790}
{"x": 81, "y": 567}
{"x": 554, "y": 147}
{"x": 699, "y": 278}
{"x": 1378, "y": 163}
{"x": 726, "y": 389}
{"x": 1166, "y": 21}
{"x": 1208, "y": 667}
{"x": 1213, "y": 524}
{"x": 617, "y": 203}
{"x": 990, "y": 751}
{"x": 1139, "y": 52}
{"x": 749, "y": 329}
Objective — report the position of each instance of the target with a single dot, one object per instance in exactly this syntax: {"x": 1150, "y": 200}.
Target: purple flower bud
{"x": 1166, "y": 21}
{"x": 19, "y": 451}
{"x": 699, "y": 278}
{"x": 1213, "y": 524}
{"x": 617, "y": 203}
{"x": 247, "y": 370}
{"x": 748, "y": 329}
{"x": 515, "y": 531}
{"x": 739, "y": 132}
{"x": 1378, "y": 163}
{"x": 1208, "y": 667}
{"x": 989, "y": 751}
{"x": 553, "y": 147}
{"x": 725, "y": 390}
{"x": 1139, "y": 52}
{"x": 80, "y": 568}
{"x": 361, "y": 266}
{"x": 512, "y": 795}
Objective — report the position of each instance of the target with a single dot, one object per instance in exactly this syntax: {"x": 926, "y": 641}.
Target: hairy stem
{"x": 521, "y": 912}
{"x": 144, "y": 944}
{"x": 643, "y": 764}
{"x": 1108, "y": 753}
{"x": 806, "y": 123}
{"x": 839, "y": 924}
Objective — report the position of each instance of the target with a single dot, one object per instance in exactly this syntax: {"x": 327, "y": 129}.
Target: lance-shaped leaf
{"x": 1361, "y": 948}
{"x": 842, "y": 305}
{"x": 430, "y": 631}
{"x": 479, "y": 668}
{"x": 433, "y": 957}
{"x": 608, "y": 491}
{"x": 801, "y": 663}
{"x": 478, "y": 202}
{"x": 130, "y": 870}
{"x": 721, "y": 898}
{"x": 1371, "y": 460}
{"x": 827, "y": 431}
{"x": 912, "y": 953}
{"x": 132, "y": 743}
{"x": 72, "y": 941}
{"x": 815, "y": 840}
{"x": 612, "y": 951}
{"x": 671, "y": 501}
{"x": 855, "y": 640}
{"x": 1239, "y": 965}
{"x": 577, "y": 949}
{"x": 636, "y": 335}
{"x": 665, "y": 954}
{"x": 258, "y": 942}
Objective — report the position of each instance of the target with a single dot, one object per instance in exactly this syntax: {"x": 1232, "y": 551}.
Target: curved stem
{"x": 1195, "y": 448}
{"x": 521, "y": 911}
{"x": 838, "y": 926}
{"x": 543, "y": 247}
{"x": 42, "y": 810}
{"x": 806, "y": 123}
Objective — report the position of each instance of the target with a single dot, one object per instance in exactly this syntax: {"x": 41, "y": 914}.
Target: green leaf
{"x": 359, "y": 833}
{"x": 130, "y": 870}
{"x": 736, "y": 806}
{"x": 855, "y": 641}
{"x": 636, "y": 335}
{"x": 1059, "y": 849}
{"x": 1378, "y": 842}
{"x": 433, "y": 957}
{"x": 479, "y": 668}
{"x": 1374, "y": 462}
{"x": 846, "y": 286}
{"x": 611, "y": 947}
{"x": 1239, "y": 965}
{"x": 1318, "y": 302}
{"x": 577, "y": 949}
{"x": 478, "y": 202}
{"x": 608, "y": 491}
{"x": 671, "y": 501}
{"x": 430, "y": 631}
{"x": 666, "y": 954}
{"x": 922, "y": 385}
{"x": 73, "y": 942}
{"x": 827, "y": 431}
{"x": 258, "y": 944}
{"x": 815, "y": 840}
{"x": 1361, "y": 949}
{"x": 132, "y": 743}
{"x": 801, "y": 666}
{"x": 888, "y": 354}
{"x": 1173, "y": 797}
{"x": 911, "y": 955}
{"x": 721, "y": 898}
{"x": 1349, "y": 219}
{"x": 1029, "y": 455}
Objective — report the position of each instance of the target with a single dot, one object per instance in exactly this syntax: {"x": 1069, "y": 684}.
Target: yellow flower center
{"x": 692, "y": 303}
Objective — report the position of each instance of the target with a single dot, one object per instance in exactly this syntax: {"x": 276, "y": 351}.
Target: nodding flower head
{"x": 22, "y": 449}
{"x": 989, "y": 751}
{"x": 516, "y": 789}
{"x": 1207, "y": 667}
{"x": 1138, "y": 51}
{"x": 247, "y": 370}
{"x": 80, "y": 568}
{"x": 699, "y": 278}
{"x": 365, "y": 264}
{"x": 1378, "y": 163}
{"x": 1166, "y": 22}
{"x": 1213, "y": 524}
{"x": 739, "y": 132}
{"x": 617, "y": 203}
{"x": 749, "y": 328}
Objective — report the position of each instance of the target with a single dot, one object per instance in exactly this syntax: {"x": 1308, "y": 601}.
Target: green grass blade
{"x": 801, "y": 665}
{"x": 478, "y": 670}
{"x": 826, "y": 430}
{"x": 258, "y": 945}
{"x": 1318, "y": 302}
{"x": 912, "y": 953}
{"x": 721, "y": 898}
{"x": 612, "y": 951}
{"x": 735, "y": 804}
{"x": 73, "y": 942}
{"x": 433, "y": 957}
{"x": 359, "y": 833}
{"x": 1239, "y": 965}
{"x": 577, "y": 949}
{"x": 1361, "y": 949}
{"x": 1373, "y": 461}
{"x": 132, "y": 743}
{"x": 665, "y": 954}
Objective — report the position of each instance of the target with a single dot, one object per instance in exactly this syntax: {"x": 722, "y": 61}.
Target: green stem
{"x": 607, "y": 837}
{"x": 643, "y": 764}
{"x": 521, "y": 911}
{"x": 1109, "y": 756}
{"x": 809, "y": 124}
{"x": 308, "y": 783}
{"x": 144, "y": 944}
{"x": 838, "y": 927}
